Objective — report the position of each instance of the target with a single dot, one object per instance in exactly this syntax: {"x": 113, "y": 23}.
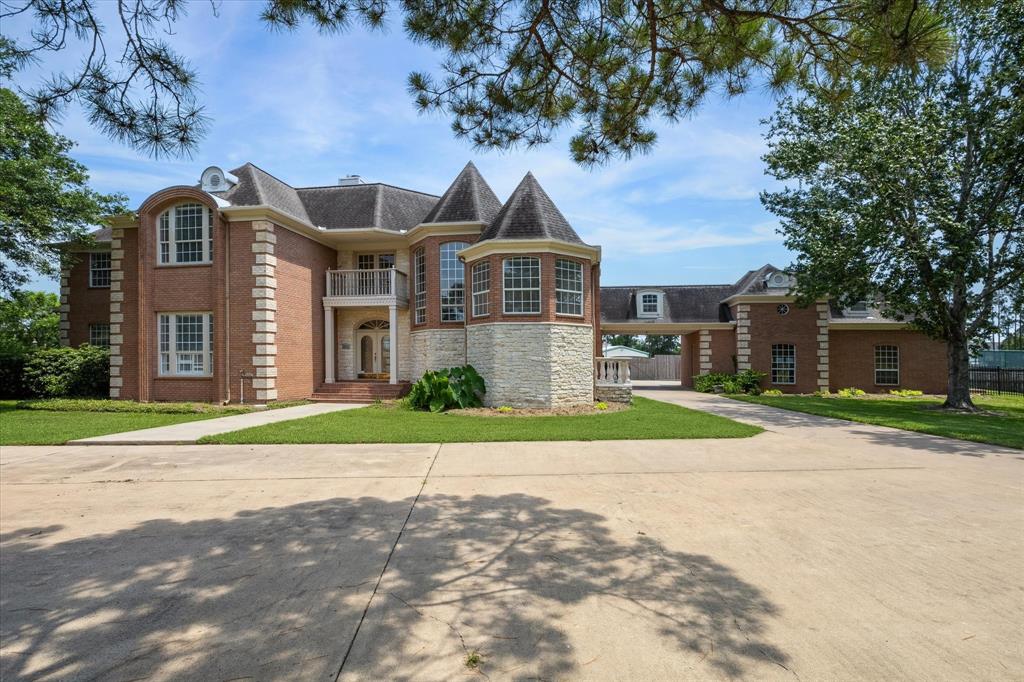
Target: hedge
{"x": 82, "y": 372}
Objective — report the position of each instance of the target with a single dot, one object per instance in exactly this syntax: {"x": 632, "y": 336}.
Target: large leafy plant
{"x": 445, "y": 389}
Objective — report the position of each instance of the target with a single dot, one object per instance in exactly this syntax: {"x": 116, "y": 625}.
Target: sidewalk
{"x": 190, "y": 432}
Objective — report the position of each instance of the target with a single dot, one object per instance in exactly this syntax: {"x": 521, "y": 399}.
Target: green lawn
{"x": 647, "y": 419}
{"x": 46, "y": 422}
{"x": 1003, "y": 425}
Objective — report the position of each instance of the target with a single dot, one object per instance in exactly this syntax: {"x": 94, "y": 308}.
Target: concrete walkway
{"x": 190, "y": 432}
{"x": 819, "y": 550}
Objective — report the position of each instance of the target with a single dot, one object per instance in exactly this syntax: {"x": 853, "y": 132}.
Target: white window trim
{"x": 579, "y": 265}
{"x": 485, "y": 294}
{"x": 172, "y": 250}
{"x": 172, "y": 353}
{"x": 419, "y": 286}
{"x": 539, "y": 288}
{"x": 640, "y": 302}
{"x": 772, "y": 368}
{"x": 877, "y": 370}
{"x": 92, "y": 270}
{"x": 442, "y": 289}
{"x": 94, "y": 325}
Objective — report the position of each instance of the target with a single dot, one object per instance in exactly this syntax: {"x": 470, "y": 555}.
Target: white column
{"x": 393, "y": 332}
{"x": 328, "y": 345}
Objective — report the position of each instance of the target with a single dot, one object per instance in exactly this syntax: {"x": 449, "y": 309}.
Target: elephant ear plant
{"x": 446, "y": 389}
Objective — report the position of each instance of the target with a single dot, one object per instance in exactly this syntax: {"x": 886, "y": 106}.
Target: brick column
{"x": 65, "y": 302}
{"x": 264, "y": 312}
{"x": 704, "y": 351}
{"x": 116, "y": 314}
{"x": 823, "y": 378}
{"x": 742, "y": 336}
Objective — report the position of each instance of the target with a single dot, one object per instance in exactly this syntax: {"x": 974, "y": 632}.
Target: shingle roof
{"x": 754, "y": 281}
{"x": 691, "y": 303}
{"x": 530, "y": 214}
{"x": 334, "y": 207}
{"x": 468, "y": 199}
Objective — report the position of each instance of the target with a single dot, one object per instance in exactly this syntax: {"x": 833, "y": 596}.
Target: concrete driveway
{"x": 820, "y": 550}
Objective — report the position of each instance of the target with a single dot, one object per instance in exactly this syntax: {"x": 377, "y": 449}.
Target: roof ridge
{"x": 369, "y": 184}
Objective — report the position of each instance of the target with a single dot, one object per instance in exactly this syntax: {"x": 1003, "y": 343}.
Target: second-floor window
{"x": 184, "y": 235}
{"x": 419, "y": 282}
{"x": 453, "y": 283}
{"x": 568, "y": 287}
{"x": 521, "y": 285}
{"x": 99, "y": 269}
{"x": 482, "y": 289}
{"x": 649, "y": 305}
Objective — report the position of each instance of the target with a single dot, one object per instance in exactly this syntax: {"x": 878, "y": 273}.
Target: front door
{"x": 373, "y": 350}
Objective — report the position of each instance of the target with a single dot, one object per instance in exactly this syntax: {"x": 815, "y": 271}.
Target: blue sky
{"x": 310, "y": 108}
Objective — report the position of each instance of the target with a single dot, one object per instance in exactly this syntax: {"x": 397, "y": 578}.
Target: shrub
{"x": 447, "y": 388}
{"x": 12, "y": 377}
{"x": 505, "y": 409}
{"x": 601, "y": 406}
{"x": 906, "y": 392}
{"x": 822, "y": 393}
{"x": 772, "y": 392}
{"x": 82, "y": 372}
{"x": 850, "y": 392}
{"x": 747, "y": 381}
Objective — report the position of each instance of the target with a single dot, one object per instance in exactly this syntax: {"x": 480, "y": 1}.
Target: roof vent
{"x": 214, "y": 179}
{"x": 350, "y": 180}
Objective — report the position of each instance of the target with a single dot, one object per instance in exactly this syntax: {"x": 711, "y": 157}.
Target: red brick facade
{"x": 797, "y": 327}
{"x": 91, "y": 304}
{"x": 852, "y": 360}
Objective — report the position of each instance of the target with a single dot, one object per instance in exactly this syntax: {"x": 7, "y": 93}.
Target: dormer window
{"x": 648, "y": 304}
{"x": 184, "y": 235}
{"x": 858, "y": 309}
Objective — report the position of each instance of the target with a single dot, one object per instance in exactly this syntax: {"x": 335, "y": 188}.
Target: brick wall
{"x": 86, "y": 305}
{"x": 301, "y": 264}
{"x": 923, "y": 360}
{"x": 798, "y": 327}
{"x": 547, "y": 292}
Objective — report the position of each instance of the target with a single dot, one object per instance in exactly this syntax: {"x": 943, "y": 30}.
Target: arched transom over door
{"x": 373, "y": 344}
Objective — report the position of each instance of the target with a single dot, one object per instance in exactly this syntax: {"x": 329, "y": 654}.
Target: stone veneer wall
{"x": 533, "y": 364}
{"x": 742, "y": 313}
{"x": 264, "y": 313}
{"x": 116, "y": 312}
{"x": 822, "y": 322}
{"x": 436, "y": 349}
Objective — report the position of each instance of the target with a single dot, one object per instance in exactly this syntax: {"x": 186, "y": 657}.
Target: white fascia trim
{"x": 526, "y": 323}
{"x": 840, "y": 325}
{"x": 765, "y": 298}
{"x": 513, "y": 246}
{"x": 428, "y": 229}
{"x": 221, "y": 203}
{"x": 654, "y": 328}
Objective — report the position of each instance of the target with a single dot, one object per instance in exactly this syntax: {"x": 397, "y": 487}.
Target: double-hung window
{"x": 783, "y": 363}
{"x": 453, "y": 283}
{"x": 99, "y": 269}
{"x": 568, "y": 287}
{"x": 521, "y": 291}
{"x": 419, "y": 282}
{"x": 887, "y": 365}
{"x": 185, "y": 235}
{"x": 186, "y": 344}
{"x": 99, "y": 334}
{"x": 482, "y": 289}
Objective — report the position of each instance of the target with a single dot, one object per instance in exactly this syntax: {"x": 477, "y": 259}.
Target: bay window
{"x": 185, "y": 344}
{"x": 453, "y": 282}
{"x": 185, "y": 235}
{"x": 481, "y": 289}
{"x": 419, "y": 282}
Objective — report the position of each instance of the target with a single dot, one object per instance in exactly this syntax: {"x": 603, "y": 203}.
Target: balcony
{"x": 367, "y": 288}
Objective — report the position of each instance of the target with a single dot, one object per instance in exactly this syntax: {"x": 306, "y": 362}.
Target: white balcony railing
{"x": 386, "y": 283}
{"x": 611, "y": 372}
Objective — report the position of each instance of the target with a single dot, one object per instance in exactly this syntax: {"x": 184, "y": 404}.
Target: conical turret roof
{"x": 530, "y": 214}
{"x": 469, "y": 199}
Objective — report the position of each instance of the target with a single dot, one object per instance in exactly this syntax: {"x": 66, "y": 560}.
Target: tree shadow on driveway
{"x": 278, "y": 592}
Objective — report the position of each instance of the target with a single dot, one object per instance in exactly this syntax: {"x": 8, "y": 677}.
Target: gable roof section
{"x": 754, "y": 281}
{"x": 530, "y": 214}
{"x": 257, "y": 187}
{"x": 469, "y": 199}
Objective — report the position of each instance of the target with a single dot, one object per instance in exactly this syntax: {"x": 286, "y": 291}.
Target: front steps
{"x": 360, "y": 391}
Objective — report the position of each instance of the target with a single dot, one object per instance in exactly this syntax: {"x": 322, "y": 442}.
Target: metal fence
{"x": 998, "y": 380}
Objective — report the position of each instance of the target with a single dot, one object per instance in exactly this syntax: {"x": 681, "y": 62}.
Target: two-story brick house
{"x": 243, "y": 285}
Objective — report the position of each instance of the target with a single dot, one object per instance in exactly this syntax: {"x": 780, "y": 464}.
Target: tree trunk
{"x": 958, "y": 390}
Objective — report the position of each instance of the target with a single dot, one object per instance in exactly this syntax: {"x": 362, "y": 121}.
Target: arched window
{"x": 184, "y": 235}
{"x": 453, "y": 283}
{"x": 521, "y": 290}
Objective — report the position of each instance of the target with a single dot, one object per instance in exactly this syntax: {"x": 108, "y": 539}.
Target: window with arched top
{"x": 185, "y": 235}
{"x": 375, "y": 324}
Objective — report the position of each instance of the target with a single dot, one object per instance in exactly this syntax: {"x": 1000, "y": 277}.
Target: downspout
{"x": 227, "y": 311}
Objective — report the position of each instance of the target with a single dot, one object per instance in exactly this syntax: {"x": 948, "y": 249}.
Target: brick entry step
{"x": 360, "y": 391}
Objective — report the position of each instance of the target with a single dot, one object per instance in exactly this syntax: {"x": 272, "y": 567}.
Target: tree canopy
{"x": 513, "y": 73}
{"x": 45, "y": 199}
{"x": 29, "y": 320}
{"x": 910, "y": 191}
